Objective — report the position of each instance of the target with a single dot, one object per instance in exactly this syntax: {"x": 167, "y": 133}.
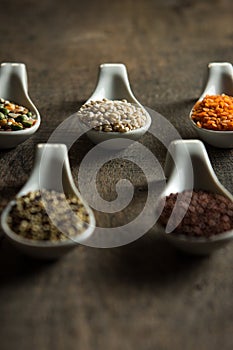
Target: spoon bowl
{"x": 51, "y": 171}
{"x": 113, "y": 84}
{"x": 14, "y": 87}
{"x": 188, "y": 167}
{"x": 219, "y": 81}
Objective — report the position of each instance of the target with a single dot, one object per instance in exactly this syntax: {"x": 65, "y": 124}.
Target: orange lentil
{"x": 214, "y": 112}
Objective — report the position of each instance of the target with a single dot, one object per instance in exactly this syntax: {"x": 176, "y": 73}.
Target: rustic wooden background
{"x": 145, "y": 295}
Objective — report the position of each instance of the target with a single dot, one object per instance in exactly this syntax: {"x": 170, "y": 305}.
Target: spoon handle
{"x": 113, "y": 83}
{"x": 47, "y": 173}
{"x": 13, "y": 81}
{"x": 219, "y": 79}
{"x": 188, "y": 167}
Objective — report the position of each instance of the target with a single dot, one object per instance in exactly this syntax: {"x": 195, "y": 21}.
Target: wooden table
{"x": 145, "y": 295}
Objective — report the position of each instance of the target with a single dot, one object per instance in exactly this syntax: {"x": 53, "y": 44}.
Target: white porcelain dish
{"x": 14, "y": 88}
{"x": 51, "y": 171}
{"x": 188, "y": 167}
{"x": 113, "y": 84}
{"x": 219, "y": 81}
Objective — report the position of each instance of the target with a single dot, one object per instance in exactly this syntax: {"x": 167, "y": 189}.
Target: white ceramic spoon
{"x": 219, "y": 81}
{"x": 51, "y": 171}
{"x": 113, "y": 84}
{"x": 14, "y": 88}
{"x": 188, "y": 167}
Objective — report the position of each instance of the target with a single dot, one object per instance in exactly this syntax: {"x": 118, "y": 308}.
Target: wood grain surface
{"x": 145, "y": 295}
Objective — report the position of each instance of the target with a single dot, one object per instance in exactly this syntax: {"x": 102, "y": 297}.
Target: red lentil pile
{"x": 207, "y": 213}
{"x": 214, "y": 112}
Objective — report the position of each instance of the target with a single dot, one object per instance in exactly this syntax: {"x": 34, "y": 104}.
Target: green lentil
{"x": 18, "y": 126}
{"x": 21, "y": 118}
{"x": 4, "y": 110}
{"x": 2, "y": 116}
{"x": 27, "y": 123}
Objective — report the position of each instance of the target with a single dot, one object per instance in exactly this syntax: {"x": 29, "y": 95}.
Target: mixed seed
{"x": 14, "y": 117}
{"x": 48, "y": 216}
{"x": 207, "y": 213}
{"x": 112, "y": 115}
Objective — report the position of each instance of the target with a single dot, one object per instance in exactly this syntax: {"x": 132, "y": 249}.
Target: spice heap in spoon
{"x": 14, "y": 117}
{"x": 214, "y": 112}
{"x": 48, "y": 216}
{"x": 206, "y": 213}
{"x": 112, "y": 115}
